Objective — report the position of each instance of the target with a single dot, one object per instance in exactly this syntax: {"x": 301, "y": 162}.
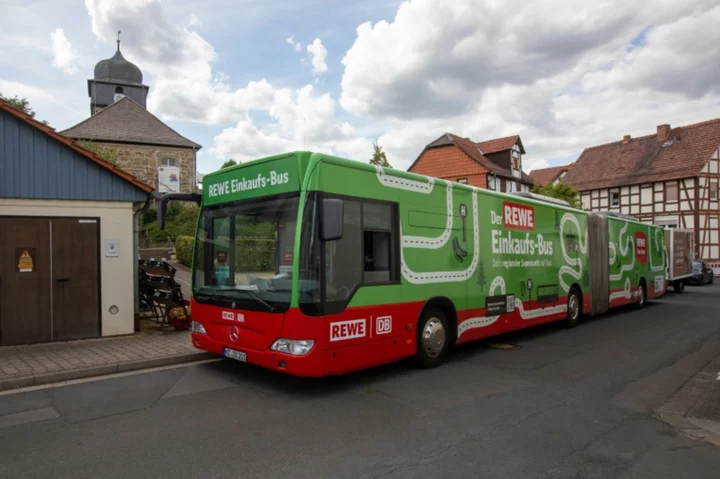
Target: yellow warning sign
{"x": 25, "y": 259}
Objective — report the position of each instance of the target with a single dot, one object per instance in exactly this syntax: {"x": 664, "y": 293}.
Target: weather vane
{"x": 118, "y": 40}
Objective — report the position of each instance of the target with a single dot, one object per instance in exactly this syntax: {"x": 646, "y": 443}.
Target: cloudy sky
{"x": 249, "y": 78}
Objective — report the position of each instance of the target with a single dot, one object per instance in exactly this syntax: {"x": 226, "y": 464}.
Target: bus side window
{"x": 377, "y": 242}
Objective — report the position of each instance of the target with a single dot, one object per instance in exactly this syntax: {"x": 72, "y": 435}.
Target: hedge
{"x": 251, "y": 254}
{"x": 254, "y": 254}
{"x": 184, "y": 249}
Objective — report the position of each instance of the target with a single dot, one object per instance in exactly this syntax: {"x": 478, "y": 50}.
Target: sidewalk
{"x": 695, "y": 408}
{"x": 23, "y": 366}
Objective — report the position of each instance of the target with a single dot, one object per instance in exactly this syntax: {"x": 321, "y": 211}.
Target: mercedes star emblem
{"x": 234, "y": 334}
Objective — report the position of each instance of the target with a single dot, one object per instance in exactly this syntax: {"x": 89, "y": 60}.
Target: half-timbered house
{"x": 669, "y": 178}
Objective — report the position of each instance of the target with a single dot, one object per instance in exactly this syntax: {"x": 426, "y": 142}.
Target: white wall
{"x": 116, "y": 273}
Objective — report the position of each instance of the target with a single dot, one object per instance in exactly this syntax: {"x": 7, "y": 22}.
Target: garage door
{"x": 49, "y": 279}
{"x": 24, "y": 281}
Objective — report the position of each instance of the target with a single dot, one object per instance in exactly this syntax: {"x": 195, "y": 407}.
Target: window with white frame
{"x": 491, "y": 182}
{"x": 671, "y": 191}
{"x": 168, "y": 162}
{"x": 713, "y": 190}
{"x": 516, "y": 157}
{"x": 614, "y": 198}
{"x": 462, "y": 180}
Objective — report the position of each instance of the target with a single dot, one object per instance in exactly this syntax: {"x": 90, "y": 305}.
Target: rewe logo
{"x": 343, "y": 330}
{"x": 641, "y": 247}
{"x": 228, "y": 315}
{"x": 518, "y": 217}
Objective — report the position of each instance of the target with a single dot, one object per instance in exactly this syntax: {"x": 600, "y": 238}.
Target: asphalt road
{"x": 567, "y": 403}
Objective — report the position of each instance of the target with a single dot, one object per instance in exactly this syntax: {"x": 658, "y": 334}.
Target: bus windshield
{"x": 244, "y": 253}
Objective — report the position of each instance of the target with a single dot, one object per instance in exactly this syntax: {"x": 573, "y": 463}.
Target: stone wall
{"x": 142, "y": 161}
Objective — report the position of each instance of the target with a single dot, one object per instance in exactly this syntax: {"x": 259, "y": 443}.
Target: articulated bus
{"x": 314, "y": 265}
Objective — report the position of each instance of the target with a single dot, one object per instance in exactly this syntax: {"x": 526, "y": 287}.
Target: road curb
{"x": 19, "y": 382}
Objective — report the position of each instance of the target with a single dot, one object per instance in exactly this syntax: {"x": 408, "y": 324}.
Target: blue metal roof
{"x": 35, "y": 165}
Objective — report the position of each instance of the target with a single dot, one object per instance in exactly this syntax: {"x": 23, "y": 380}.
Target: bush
{"x": 150, "y": 216}
{"x": 180, "y": 220}
{"x": 184, "y": 249}
{"x": 254, "y": 254}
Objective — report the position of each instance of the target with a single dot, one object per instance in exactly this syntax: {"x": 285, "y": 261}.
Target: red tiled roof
{"x": 646, "y": 159}
{"x": 472, "y": 150}
{"x": 500, "y": 144}
{"x": 544, "y": 176}
{"x": 5, "y": 106}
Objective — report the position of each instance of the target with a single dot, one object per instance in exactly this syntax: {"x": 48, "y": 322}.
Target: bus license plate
{"x": 232, "y": 354}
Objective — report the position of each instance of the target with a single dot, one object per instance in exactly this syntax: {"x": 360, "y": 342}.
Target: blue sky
{"x": 562, "y": 74}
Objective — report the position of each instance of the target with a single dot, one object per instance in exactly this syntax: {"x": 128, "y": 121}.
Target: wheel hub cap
{"x": 573, "y": 307}
{"x": 433, "y": 337}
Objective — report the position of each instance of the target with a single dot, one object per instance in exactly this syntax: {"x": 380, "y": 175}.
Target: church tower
{"x": 116, "y": 78}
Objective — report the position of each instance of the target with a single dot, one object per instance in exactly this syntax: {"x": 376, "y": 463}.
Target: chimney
{"x": 677, "y": 133}
{"x": 663, "y": 131}
{"x": 626, "y": 139}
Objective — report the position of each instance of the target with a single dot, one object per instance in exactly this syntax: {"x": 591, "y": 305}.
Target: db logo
{"x": 383, "y": 325}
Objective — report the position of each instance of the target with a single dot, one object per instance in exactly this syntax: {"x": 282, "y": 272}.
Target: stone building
{"x": 140, "y": 143}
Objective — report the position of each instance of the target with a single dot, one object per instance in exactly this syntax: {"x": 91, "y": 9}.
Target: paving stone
{"x": 53, "y": 360}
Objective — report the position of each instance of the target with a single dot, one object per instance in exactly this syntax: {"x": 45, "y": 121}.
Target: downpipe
{"x": 137, "y": 222}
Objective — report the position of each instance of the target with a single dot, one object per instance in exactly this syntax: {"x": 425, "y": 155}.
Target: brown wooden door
{"x": 24, "y": 281}
{"x": 75, "y": 278}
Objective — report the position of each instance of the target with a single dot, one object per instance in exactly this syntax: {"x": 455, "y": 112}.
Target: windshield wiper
{"x": 223, "y": 293}
{"x": 269, "y": 306}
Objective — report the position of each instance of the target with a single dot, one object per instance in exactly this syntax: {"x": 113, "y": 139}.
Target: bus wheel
{"x": 642, "y": 295}
{"x": 574, "y": 307}
{"x": 432, "y": 342}
{"x": 679, "y": 286}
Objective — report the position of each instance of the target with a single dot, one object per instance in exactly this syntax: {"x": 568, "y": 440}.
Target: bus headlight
{"x": 198, "y": 328}
{"x": 293, "y": 346}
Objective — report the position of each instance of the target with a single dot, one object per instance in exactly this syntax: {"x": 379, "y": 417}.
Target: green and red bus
{"x": 314, "y": 265}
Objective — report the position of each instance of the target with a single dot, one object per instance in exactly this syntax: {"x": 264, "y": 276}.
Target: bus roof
{"x": 304, "y": 159}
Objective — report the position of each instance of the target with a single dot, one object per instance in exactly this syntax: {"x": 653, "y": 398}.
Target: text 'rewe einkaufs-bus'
{"x": 314, "y": 265}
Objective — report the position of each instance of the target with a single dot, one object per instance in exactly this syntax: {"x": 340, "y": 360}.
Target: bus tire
{"x": 679, "y": 286}
{"x": 642, "y": 295}
{"x": 432, "y": 338}
{"x": 574, "y": 307}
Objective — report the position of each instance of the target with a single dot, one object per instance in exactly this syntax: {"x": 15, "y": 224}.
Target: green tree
{"x": 379, "y": 158}
{"x": 21, "y": 104}
{"x": 229, "y": 163}
{"x": 481, "y": 281}
{"x": 560, "y": 191}
{"x": 104, "y": 152}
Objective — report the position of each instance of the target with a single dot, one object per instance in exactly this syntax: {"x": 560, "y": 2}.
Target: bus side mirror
{"x": 331, "y": 222}
{"x": 163, "y": 201}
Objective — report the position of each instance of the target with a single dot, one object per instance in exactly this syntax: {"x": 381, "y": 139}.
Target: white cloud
{"x": 449, "y": 53}
{"x": 185, "y": 87}
{"x": 160, "y": 47}
{"x": 299, "y": 119}
{"x": 563, "y": 75}
{"x": 64, "y": 55}
{"x": 318, "y": 53}
{"x": 297, "y": 46}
